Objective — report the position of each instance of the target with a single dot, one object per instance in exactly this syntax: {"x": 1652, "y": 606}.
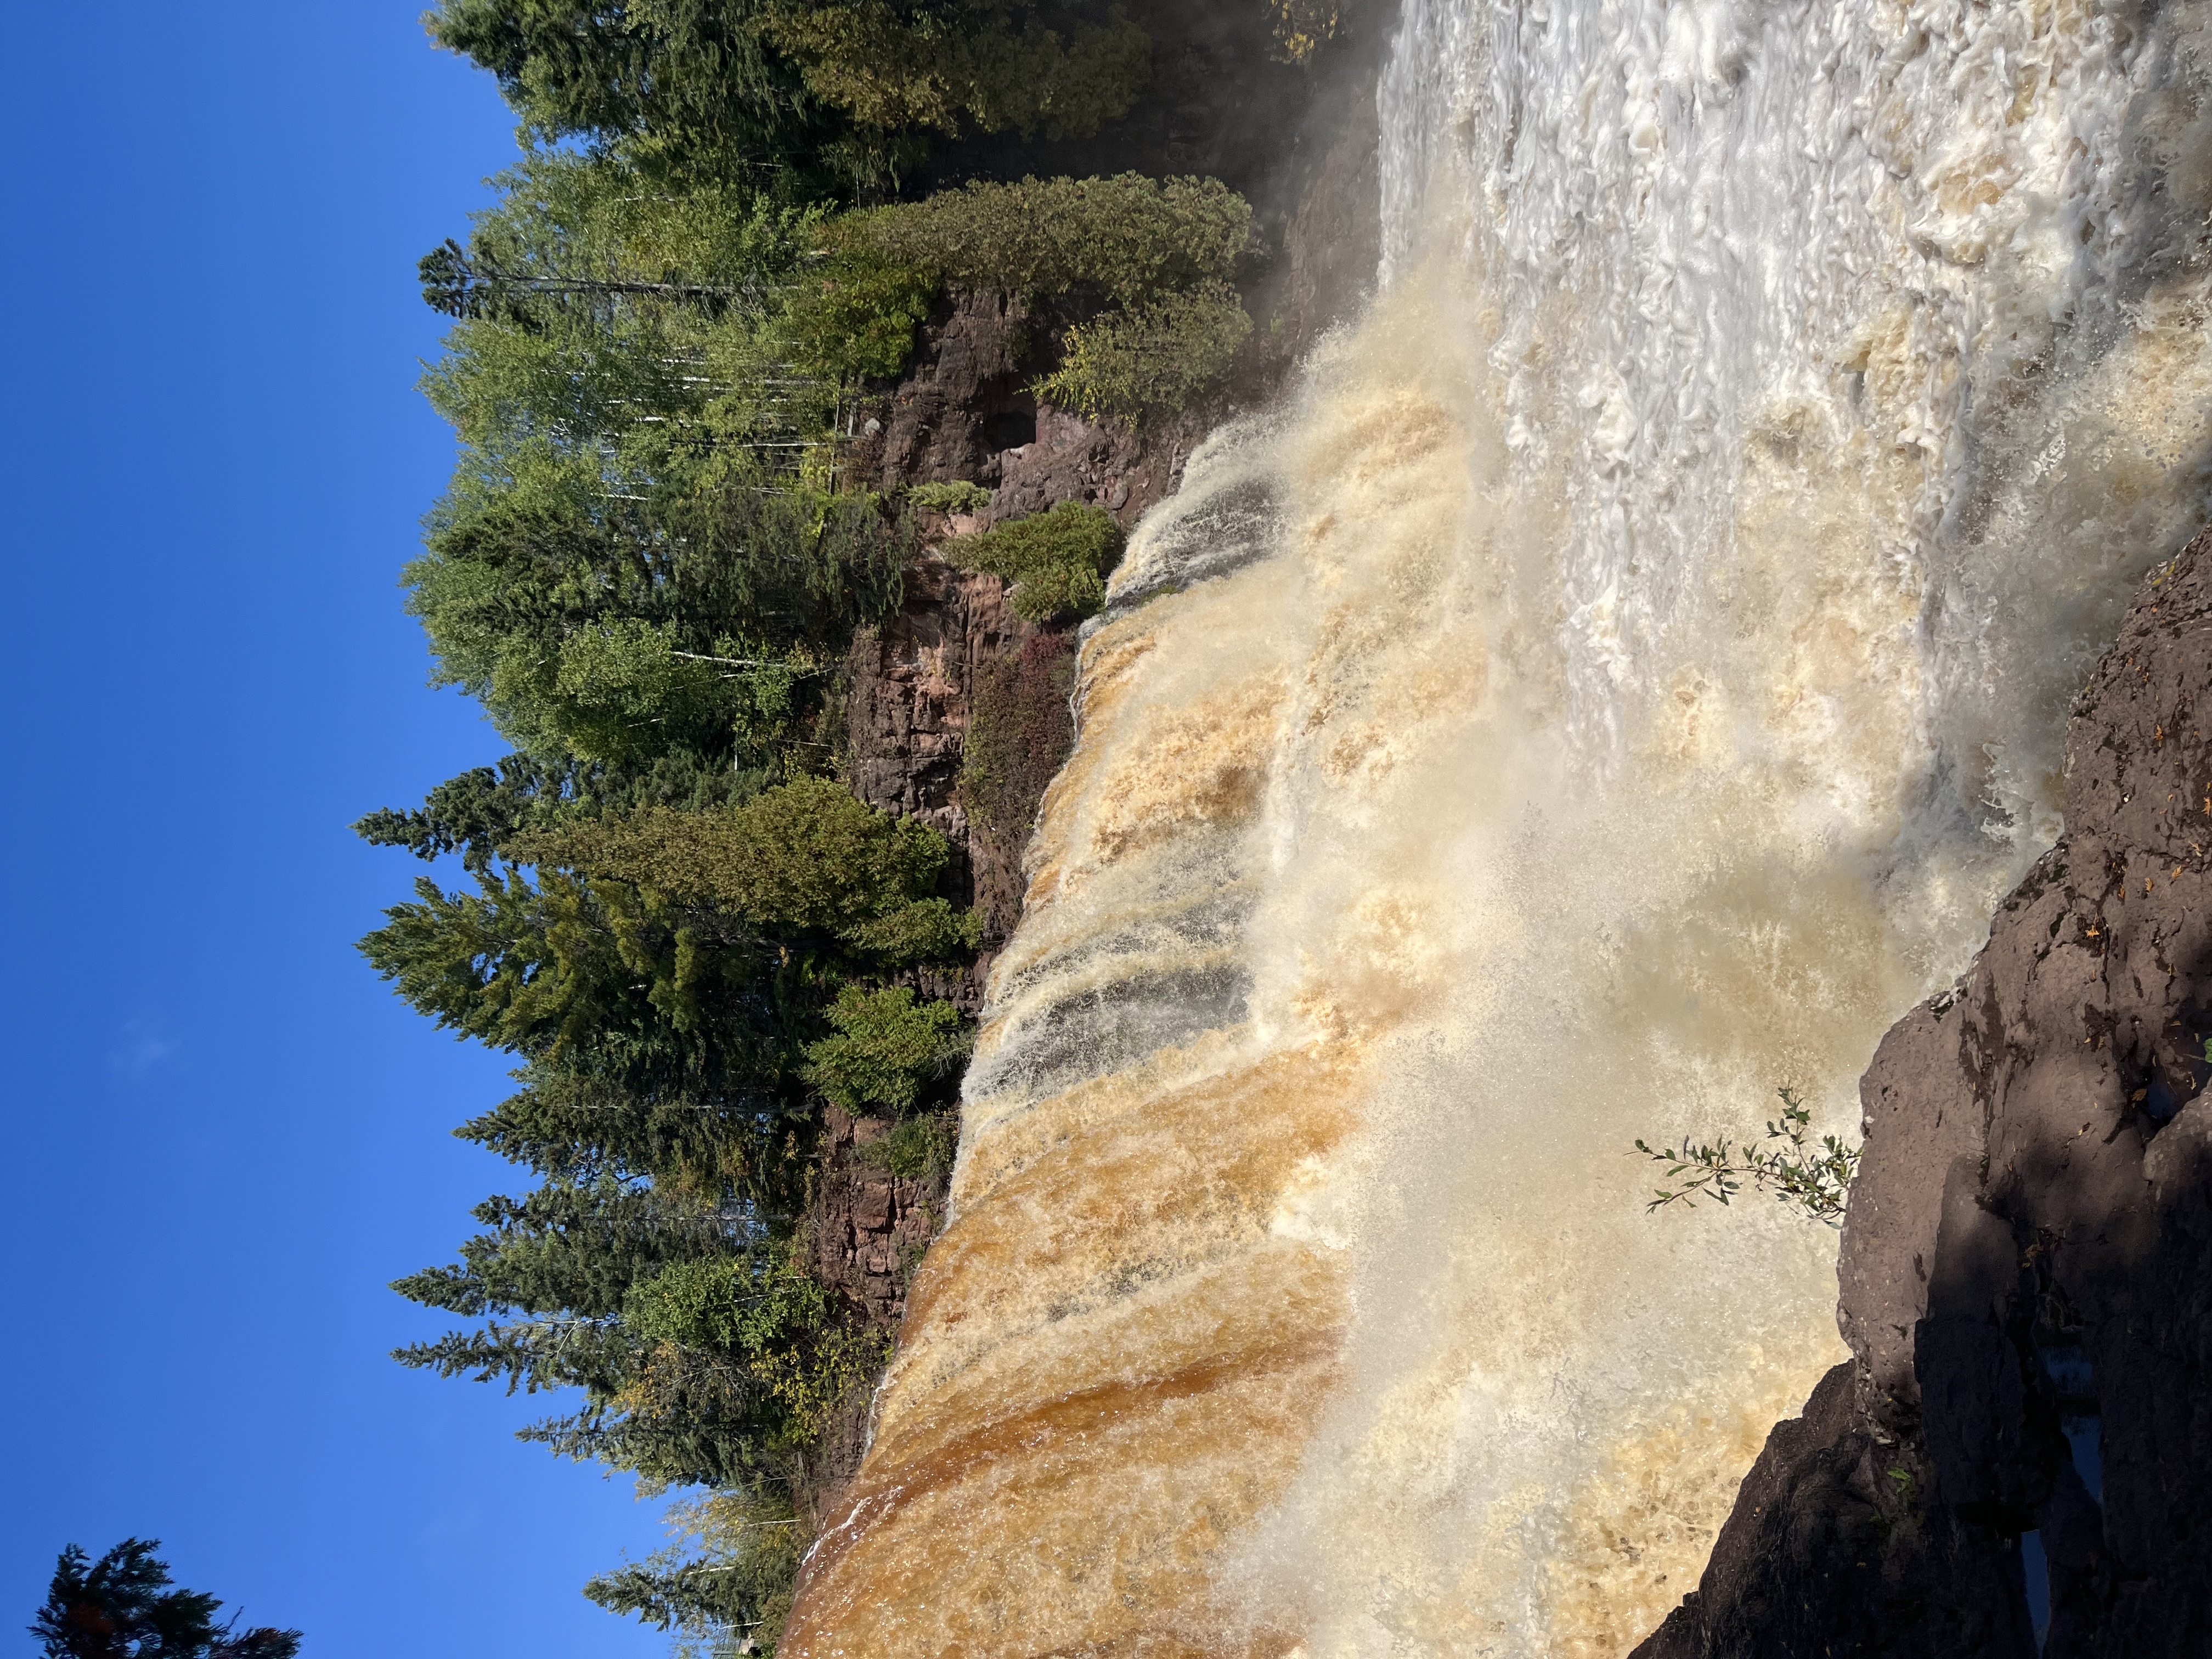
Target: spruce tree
{"x": 121, "y": 1607}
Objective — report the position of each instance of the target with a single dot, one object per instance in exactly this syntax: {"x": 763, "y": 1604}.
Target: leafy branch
{"x": 1816, "y": 1180}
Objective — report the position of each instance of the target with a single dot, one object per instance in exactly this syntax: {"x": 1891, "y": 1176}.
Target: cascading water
{"x": 1618, "y": 682}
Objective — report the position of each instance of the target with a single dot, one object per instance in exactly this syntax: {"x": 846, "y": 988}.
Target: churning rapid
{"x": 1620, "y": 682}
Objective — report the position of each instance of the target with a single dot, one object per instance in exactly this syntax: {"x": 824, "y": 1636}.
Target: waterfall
{"x": 1619, "y": 680}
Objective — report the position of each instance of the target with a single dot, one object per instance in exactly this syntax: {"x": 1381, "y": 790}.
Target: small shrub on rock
{"x": 960, "y": 497}
{"x": 917, "y": 1149}
{"x": 886, "y": 1047}
{"x": 1157, "y": 357}
{"x": 1057, "y": 561}
{"x": 1128, "y": 238}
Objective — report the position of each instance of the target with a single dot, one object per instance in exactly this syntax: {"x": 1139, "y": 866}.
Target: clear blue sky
{"x": 224, "y": 1135}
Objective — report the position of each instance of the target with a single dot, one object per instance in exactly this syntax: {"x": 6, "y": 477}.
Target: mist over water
{"x": 1620, "y": 680}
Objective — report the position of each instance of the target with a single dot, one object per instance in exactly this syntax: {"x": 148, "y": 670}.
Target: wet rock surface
{"x": 2018, "y": 1456}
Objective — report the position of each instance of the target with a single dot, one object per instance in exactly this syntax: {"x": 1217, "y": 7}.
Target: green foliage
{"x": 921, "y": 931}
{"x": 693, "y": 74}
{"x": 613, "y": 632}
{"x": 555, "y": 1276}
{"x": 570, "y": 1247}
{"x": 599, "y": 977}
{"x": 764, "y": 1317}
{"x": 804, "y": 860}
{"x": 484, "y": 813}
{"x": 736, "y": 1575}
{"x": 1816, "y": 1181}
{"x": 917, "y": 1148}
{"x": 854, "y": 315}
{"x": 121, "y": 1607}
{"x": 1128, "y": 238}
{"x": 1158, "y": 253}
{"x": 1154, "y": 358}
{"x": 821, "y": 88}
{"x": 645, "y": 571}
{"x": 475, "y": 814}
{"x": 580, "y": 1128}
{"x": 886, "y": 1049}
{"x": 960, "y": 497}
{"x": 1019, "y": 731}
{"x": 643, "y": 566}
{"x": 594, "y": 237}
{"x": 1058, "y": 561}
{"x": 660, "y": 987}
{"x": 610, "y": 292}
{"x": 992, "y": 64}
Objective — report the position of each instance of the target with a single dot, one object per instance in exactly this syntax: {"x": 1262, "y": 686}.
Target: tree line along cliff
{"x": 806, "y": 375}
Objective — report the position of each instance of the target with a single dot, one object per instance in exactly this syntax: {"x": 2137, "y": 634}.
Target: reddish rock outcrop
{"x": 867, "y": 1231}
{"x": 913, "y": 683}
{"x": 1300, "y": 143}
{"x": 871, "y": 1225}
{"x": 2027, "y": 1268}
{"x": 913, "y": 678}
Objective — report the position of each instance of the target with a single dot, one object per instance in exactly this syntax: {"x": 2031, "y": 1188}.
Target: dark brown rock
{"x": 913, "y": 683}
{"x": 2026, "y": 1269}
{"x": 869, "y": 1225}
{"x": 867, "y": 1229}
{"x": 1810, "y": 1562}
{"x": 964, "y": 400}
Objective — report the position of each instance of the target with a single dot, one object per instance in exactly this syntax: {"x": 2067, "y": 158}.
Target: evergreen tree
{"x": 706, "y": 1353}
{"x": 121, "y": 1608}
{"x": 805, "y": 861}
{"x": 648, "y": 568}
{"x": 822, "y": 90}
{"x": 602, "y": 979}
{"x": 738, "y": 1584}
{"x": 641, "y": 566}
{"x": 476, "y": 814}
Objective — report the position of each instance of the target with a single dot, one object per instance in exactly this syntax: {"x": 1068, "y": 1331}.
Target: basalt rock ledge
{"x": 2018, "y": 1457}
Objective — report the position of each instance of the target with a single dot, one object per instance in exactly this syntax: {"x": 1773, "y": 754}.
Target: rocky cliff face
{"x": 1301, "y": 144}
{"x": 2018, "y": 1456}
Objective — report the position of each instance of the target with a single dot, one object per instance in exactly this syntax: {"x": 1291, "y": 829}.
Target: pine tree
{"x": 825, "y": 90}
{"x": 121, "y": 1608}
